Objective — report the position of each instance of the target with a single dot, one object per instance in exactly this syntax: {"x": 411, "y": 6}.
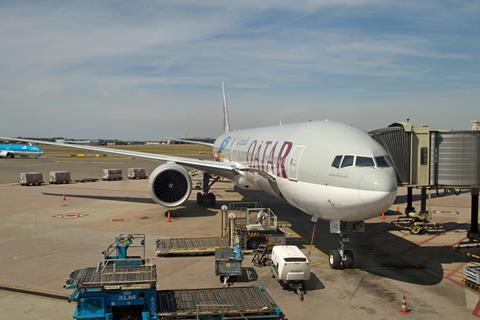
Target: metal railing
{"x": 242, "y": 206}
{"x": 119, "y": 271}
{"x": 256, "y": 218}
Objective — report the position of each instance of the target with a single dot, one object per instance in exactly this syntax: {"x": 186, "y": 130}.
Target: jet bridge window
{"x": 347, "y": 161}
{"x": 336, "y": 162}
{"x": 364, "y": 162}
{"x": 382, "y": 162}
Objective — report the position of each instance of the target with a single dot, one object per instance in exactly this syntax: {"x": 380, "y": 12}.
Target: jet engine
{"x": 170, "y": 185}
{"x": 6, "y": 154}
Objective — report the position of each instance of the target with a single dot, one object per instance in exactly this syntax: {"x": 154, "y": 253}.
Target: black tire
{"x": 200, "y": 198}
{"x": 334, "y": 259}
{"x": 349, "y": 261}
{"x": 211, "y": 199}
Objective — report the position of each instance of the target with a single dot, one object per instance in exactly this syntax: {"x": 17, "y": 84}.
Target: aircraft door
{"x": 294, "y": 163}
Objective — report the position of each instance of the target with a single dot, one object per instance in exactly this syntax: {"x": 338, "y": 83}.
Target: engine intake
{"x": 170, "y": 185}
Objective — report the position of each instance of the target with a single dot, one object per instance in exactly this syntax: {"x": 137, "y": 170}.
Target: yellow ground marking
{"x": 312, "y": 247}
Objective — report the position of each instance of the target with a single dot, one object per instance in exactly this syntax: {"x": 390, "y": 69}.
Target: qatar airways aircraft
{"x": 327, "y": 169}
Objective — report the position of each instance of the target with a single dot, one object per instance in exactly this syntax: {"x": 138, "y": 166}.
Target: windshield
{"x": 364, "y": 162}
{"x": 382, "y": 162}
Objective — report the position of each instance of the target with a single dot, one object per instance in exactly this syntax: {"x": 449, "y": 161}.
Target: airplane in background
{"x": 13, "y": 150}
{"x": 327, "y": 169}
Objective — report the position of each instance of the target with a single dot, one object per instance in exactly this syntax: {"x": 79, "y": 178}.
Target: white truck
{"x": 291, "y": 268}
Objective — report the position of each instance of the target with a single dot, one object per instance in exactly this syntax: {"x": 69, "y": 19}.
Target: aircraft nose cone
{"x": 378, "y": 190}
{"x": 379, "y": 180}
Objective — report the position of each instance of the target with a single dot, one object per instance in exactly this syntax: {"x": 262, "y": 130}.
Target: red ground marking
{"x": 476, "y": 310}
{"x": 455, "y": 270}
{"x": 457, "y": 242}
{"x": 454, "y": 281}
{"x": 415, "y": 244}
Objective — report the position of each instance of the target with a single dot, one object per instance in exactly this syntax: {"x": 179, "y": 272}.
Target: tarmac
{"x": 44, "y": 237}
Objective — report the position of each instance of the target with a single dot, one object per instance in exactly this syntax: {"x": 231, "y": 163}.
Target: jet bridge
{"x": 428, "y": 158}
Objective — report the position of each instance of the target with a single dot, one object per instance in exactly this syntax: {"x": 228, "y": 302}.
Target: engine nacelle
{"x": 170, "y": 185}
{"x": 6, "y": 154}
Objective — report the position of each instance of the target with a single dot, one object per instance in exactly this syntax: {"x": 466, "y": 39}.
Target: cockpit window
{"x": 336, "y": 161}
{"x": 364, "y": 162}
{"x": 382, "y": 162}
{"x": 347, "y": 161}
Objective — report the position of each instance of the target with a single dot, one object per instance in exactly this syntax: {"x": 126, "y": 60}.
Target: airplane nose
{"x": 378, "y": 190}
{"x": 379, "y": 180}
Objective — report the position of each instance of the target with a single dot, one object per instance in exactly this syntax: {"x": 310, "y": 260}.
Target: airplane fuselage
{"x": 296, "y": 163}
{"x": 11, "y": 150}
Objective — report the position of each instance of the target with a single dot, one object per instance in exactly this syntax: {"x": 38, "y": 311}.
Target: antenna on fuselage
{"x": 226, "y": 125}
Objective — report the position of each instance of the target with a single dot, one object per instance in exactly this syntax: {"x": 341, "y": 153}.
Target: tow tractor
{"x": 228, "y": 264}
{"x": 123, "y": 287}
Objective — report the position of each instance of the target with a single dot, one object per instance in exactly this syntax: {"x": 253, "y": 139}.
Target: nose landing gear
{"x": 342, "y": 258}
{"x": 206, "y": 197}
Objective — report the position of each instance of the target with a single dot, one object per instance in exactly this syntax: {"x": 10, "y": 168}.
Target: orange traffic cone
{"x": 64, "y": 197}
{"x": 169, "y": 217}
{"x": 404, "y": 309}
{"x": 382, "y": 216}
{"x": 398, "y": 209}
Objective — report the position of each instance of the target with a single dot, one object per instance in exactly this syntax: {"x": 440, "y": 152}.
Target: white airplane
{"x": 326, "y": 169}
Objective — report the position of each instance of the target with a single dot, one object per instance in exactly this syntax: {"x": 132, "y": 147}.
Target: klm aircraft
{"x": 12, "y": 150}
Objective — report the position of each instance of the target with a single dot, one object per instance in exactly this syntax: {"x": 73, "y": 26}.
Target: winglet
{"x": 226, "y": 125}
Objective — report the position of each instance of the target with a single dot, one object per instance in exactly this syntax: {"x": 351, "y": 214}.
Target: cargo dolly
{"x": 189, "y": 246}
{"x": 218, "y": 303}
{"x": 124, "y": 287}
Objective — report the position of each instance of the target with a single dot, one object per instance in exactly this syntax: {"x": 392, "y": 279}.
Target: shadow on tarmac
{"x": 184, "y": 211}
{"x": 376, "y": 251}
{"x": 109, "y": 198}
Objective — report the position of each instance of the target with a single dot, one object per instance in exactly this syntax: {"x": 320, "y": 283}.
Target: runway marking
{"x": 476, "y": 310}
{"x": 454, "y": 281}
{"x": 455, "y": 270}
{"x": 294, "y": 233}
{"x": 310, "y": 246}
{"x": 421, "y": 243}
{"x": 461, "y": 240}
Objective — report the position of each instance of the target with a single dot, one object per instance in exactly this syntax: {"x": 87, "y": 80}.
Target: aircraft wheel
{"x": 349, "y": 261}
{"x": 211, "y": 199}
{"x": 200, "y": 198}
{"x": 334, "y": 259}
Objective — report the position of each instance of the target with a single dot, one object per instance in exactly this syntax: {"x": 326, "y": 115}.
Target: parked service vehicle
{"x": 31, "y": 178}
{"x": 291, "y": 268}
{"x": 112, "y": 174}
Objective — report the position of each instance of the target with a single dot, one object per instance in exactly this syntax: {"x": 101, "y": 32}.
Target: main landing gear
{"x": 342, "y": 258}
{"x": 206, "y": 197}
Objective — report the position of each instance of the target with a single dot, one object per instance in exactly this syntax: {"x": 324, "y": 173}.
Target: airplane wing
{"x": 192, "y": 142}
{"x": 223, "y": 169}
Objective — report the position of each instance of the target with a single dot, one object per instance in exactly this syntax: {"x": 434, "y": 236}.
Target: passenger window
{"x": 347, "y": 161}
{"x": 382, "y": 162}
{"x": 336, "y": 161}
{"x": 364, "y": 162}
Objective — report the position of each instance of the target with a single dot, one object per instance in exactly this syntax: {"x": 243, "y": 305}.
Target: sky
{"x": 152, "y": 69}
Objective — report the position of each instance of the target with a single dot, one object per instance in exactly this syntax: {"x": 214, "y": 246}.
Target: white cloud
{"x": 165, "y": 59}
